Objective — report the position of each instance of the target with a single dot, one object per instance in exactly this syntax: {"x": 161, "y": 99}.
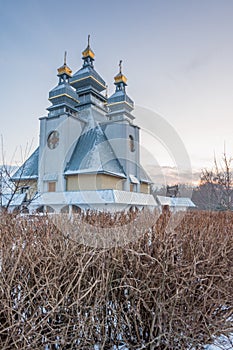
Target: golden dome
{"x": 120, "y": 78}
{"x": 88, "y": 51}
{"x": 64, "y": 69}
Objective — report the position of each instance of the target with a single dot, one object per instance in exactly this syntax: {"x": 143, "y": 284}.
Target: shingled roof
{"x": 94, "y": 154}
{"x": 29, "y": 169}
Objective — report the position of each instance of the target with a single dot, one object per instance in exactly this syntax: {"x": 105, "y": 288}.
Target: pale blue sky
{"x": 177, "y": 55}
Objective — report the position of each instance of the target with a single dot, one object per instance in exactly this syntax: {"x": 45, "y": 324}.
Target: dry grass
{"x": 164, "y": 290}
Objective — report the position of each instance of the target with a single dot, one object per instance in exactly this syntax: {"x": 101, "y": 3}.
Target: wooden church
{"x": 88, "y": 155}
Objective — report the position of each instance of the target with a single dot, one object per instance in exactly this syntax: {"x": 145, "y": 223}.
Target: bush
{"x": 166, "y": 290}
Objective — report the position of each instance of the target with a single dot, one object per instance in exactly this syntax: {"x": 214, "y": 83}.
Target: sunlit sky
{"x": 177, "y": 56}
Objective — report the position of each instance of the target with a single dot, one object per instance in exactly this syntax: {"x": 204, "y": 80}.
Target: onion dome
{"x": 120, "y": 79}
{"x": 64, "y": 70}
{"x": 88, "y": 54}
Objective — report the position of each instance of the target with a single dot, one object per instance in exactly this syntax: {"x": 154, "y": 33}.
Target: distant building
{"x": 88, "y": 154}
{"x": 172, "y": 191}
{"x": 175, "y": 203}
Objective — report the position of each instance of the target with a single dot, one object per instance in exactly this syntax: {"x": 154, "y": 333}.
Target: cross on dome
{"x": 120, "y": 66}
{"x": 65, "y": 54}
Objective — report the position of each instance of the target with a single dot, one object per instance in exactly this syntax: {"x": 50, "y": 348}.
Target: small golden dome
{"x": 64, "y": 69}
{"x": 120, "y": 78}
{"x": 88, "y": 51}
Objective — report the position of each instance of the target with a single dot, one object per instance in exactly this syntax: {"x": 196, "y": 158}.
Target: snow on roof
{"x": 175, "y": 202}
{"x": 63, "y": 88}
{"x": 93, "y": 171}
{"x": 14, "y": 199}
{"x": 93, "y": 153}
{"x": 29, "y": 169}
{"x": 50, "y": 177}
{"x": 120, "y": 96}
{"x": 94, "y": 197}
{"x": 133, "y": 179}
{"x": 134, "y": 198}
{"x": 85, "y": 72}
{"x": 6, "y": 185}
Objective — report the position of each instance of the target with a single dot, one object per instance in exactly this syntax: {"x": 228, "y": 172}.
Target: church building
{"x": 89, "y": 148}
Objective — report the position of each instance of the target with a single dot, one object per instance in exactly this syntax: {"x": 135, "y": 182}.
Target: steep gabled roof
{"x": 94, "y": 154}
{"x": 29, "y": 169}
{"x": 15, "y": 199}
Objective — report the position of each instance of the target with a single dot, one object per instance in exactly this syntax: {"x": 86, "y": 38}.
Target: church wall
{"x": 118, "y": 134}
{"x": 92, "y": 115}
{"x": 81, "y": 182}
{"x": 99, "y": 115}
{"x": 53, "y": 161}
{"x": 144, "y": 188}
{"x": 110, "y": 182}
{"x": 93, "y": 182}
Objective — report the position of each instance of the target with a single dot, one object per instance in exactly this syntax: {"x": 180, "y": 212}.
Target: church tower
{"x": 89, "y": 87}
{"x": 58, "y": 132}
{"x": 120, "y": 104}
{"x": 122, "y": 133}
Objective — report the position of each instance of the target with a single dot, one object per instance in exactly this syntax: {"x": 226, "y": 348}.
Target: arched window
{"x": 24, "y": 210}
{"x": 65, "y": 209}
{"x": 76, "y": 209}
{"x": 45, "y": 209}
{"x": 131, "y": 143}
{"x": 40, "y": 209}
{"x": 49, "y": 209}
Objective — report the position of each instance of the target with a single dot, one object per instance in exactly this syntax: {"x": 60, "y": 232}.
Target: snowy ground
{"x": 221, "y": 343}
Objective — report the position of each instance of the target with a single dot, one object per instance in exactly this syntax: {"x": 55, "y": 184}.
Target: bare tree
{"x": 216, "y": 186}
{"x": 10, "y": 188}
